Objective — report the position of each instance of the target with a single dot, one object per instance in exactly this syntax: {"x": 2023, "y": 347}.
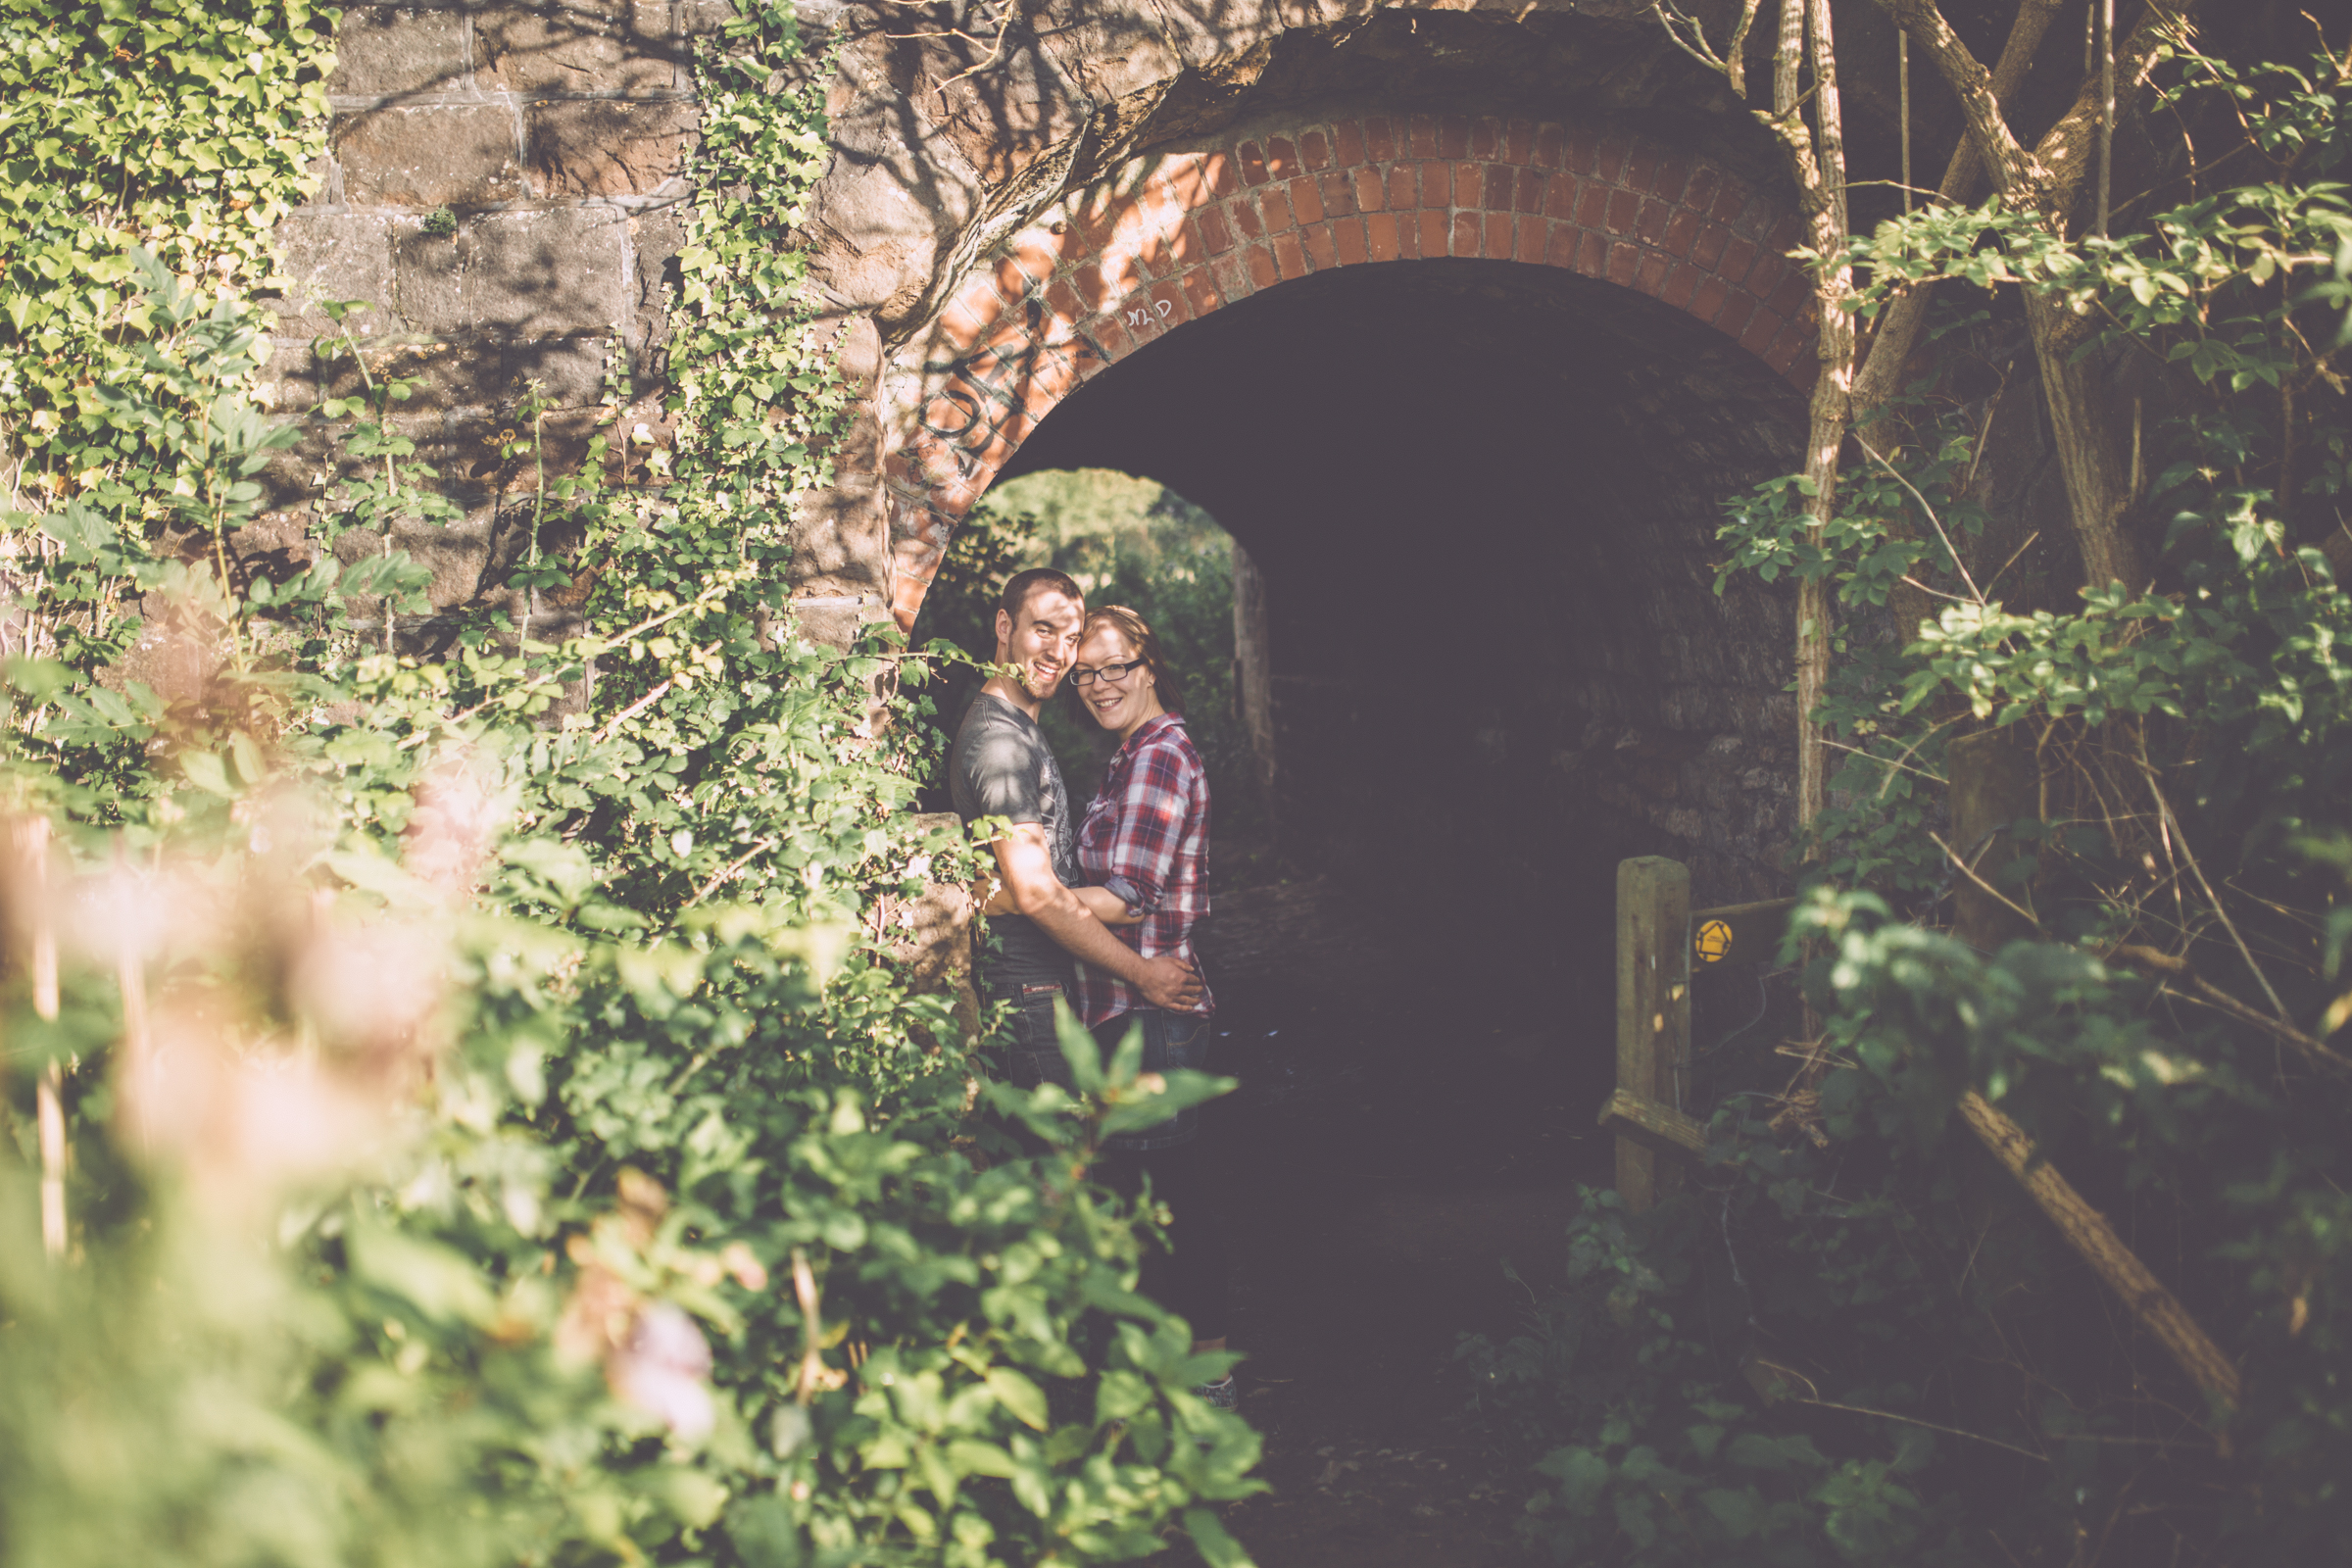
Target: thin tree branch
{"x": 1887, "y": 760}
{"x": 728, "y": 870}
{"x": 1969, "y": 871}
{"x": 2012, "y": 561}
{"x": 2066, "y": 150}
{"x": 613, "y": 725}
{"x": 2214, "y": 997}
{"x": 1934, "y": 521}
{"x": 2013, "y": 166}
{"x": 1898, "y": 327}
{"x": 1695, "y": 46}
{"x": 1914, "y": 1421}
{"x": 1735, "y": 66}
{"x": 2165, "y": 807}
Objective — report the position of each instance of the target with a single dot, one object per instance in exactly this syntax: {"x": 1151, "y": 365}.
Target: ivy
{"x": 183, "y": 128}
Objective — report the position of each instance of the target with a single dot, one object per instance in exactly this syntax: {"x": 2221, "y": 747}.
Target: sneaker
{"x": 1221, "y": 1394}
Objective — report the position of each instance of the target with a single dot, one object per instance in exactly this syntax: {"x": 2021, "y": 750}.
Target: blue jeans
{"x": 1173, "y": 1042}
{"x": 1188, "y": 1277}
{"x": 1033, "y": 1054}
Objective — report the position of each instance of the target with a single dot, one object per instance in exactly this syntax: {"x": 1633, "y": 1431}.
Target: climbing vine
{"x": 474, "y": 1109}
{"x": 183, "y": 128}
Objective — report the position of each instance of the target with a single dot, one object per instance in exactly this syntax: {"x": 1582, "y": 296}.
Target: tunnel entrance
{"x": 1482, "y": 497}
{"x": 1470, "y": 391}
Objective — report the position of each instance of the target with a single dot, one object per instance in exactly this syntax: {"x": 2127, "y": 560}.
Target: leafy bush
{"x": 1658, "y": 1451}
{"x": 480, "y": 1107}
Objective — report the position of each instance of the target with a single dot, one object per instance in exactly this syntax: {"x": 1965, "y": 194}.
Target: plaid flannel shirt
{"x": 1147, "y": 827}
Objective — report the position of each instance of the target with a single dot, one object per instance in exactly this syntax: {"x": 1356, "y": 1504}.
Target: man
{"x": 1002, "y": 766}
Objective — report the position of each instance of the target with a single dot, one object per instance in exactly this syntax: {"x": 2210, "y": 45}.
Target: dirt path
{"x": 1401, "y": 1130}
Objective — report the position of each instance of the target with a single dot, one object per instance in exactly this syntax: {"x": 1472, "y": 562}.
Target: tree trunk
{"x": 2091, "y": 444}
{"x": 1254, "y": 672}
{"x": 2047, "y": 180}
{"x": 1817, "y": 166}
{"x": 1823, "y": 200}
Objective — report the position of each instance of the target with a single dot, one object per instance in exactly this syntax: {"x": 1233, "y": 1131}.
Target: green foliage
{"x": 1665, "y": 1454}
{"x": 501, "y": 1126}
{"x": 180, "y": 126}
{"x": 1920, "y": 1369}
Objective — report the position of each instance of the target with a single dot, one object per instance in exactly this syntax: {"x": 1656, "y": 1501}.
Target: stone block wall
{"x": 500, "y": 193}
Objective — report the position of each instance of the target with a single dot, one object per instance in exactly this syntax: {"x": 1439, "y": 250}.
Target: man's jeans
{"x": 1172, "y": 1041}
{"x": 1033, "y": 1056}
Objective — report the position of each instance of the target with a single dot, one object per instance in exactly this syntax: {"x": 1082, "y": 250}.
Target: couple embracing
{"x": 1100, "y": 911}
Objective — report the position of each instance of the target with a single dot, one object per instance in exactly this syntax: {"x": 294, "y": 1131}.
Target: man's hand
{"x": 1170, "y": 984}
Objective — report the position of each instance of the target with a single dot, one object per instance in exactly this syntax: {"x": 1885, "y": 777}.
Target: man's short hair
{"x": 1022, "y": 584}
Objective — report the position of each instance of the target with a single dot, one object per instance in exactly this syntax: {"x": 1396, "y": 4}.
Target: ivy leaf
{"x": 81, "y": 532}
{"x": 208, "y": 773}
{"x": 1736, "y": 1511}
{"x": 438, "y": 1281}
{"x": 1079, "y": 1049}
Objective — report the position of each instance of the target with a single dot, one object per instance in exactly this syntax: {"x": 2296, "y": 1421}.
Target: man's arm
{"x": 1100, "y": 902}
{"x": 1025, "y": 864}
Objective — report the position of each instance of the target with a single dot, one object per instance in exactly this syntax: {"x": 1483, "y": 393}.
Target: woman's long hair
{"x": 1138, "y": 635}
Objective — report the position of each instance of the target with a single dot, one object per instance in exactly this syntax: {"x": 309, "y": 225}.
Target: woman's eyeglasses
{"x": 1113, "y": 673}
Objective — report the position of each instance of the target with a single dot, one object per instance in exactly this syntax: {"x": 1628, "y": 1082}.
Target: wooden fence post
{"x": 1653, "y": 1008}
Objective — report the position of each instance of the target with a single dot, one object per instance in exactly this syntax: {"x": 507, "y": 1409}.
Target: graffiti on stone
{"x": 984, "y": 404}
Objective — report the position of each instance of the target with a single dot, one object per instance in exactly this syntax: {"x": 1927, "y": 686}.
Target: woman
{"x": 1144, "y": 847}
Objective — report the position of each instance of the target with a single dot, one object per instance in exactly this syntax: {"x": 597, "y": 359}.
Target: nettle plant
{"x": 481, "y": 1099}
{"x": 1850, "y": 1340}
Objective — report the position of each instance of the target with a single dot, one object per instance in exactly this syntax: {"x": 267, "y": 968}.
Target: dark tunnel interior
{"x": 1483, "y": 497}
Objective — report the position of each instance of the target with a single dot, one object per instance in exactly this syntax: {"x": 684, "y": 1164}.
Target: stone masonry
{"x": 500, "y": 194}
{"x": 1003, "y": 220}
{"x": 501, "y": 183}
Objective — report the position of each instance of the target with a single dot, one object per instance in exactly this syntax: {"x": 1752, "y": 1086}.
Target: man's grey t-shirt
{"x": 1002, "y": 766}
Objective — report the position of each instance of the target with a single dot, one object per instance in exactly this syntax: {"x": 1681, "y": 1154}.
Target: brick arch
{"x": 1171, "y": 237}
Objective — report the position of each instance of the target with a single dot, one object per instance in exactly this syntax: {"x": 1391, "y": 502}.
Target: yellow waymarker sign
{"x": 1713, "y": 942}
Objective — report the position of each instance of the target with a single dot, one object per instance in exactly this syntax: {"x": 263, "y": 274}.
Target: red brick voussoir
{"x": 1171, "y": 237}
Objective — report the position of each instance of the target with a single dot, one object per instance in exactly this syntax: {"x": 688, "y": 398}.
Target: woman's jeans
{"x": 1187, "y": 1278}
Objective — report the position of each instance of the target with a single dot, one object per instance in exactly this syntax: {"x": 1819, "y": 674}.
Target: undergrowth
{"x": 1850, "y": 1338}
